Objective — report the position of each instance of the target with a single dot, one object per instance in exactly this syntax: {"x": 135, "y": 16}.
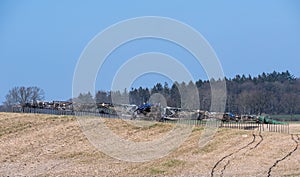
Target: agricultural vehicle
{"x": 267, "y": 120}
{"x": 147, "y": 112}
{"x": 229, "y": 117}
{"x": 106, "y": 108}
{"x": 171, "y": 113}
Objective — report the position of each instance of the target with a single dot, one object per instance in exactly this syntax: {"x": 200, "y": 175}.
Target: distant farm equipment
{"x": 147, "y": 111}
{"x": 155, "y": 112}
{"x": 172, "y": 113}
{"x": 267, "y": 120}
{"x": 229, "y": 117}
{"x": 58, "y": 105}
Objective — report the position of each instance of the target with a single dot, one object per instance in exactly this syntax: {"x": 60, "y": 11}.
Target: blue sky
{"x": 41, "y": 41}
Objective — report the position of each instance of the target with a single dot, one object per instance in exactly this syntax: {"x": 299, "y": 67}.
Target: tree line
{"x": 270, "y": 93}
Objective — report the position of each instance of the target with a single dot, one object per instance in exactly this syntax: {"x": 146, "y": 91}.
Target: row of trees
{"x": 272, "y": 93}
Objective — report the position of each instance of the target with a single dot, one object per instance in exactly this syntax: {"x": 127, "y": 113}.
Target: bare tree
{"x": 22, "y": 95}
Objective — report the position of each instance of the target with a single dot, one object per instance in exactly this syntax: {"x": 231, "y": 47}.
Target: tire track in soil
{"x": 286, "y": 156}
{"x": 228, "y": 162}
{"x": 261, "y": 140}
{"x": 227, "y": 156}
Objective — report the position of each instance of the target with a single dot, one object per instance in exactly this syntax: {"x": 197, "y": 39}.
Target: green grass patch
{"x": 285, "y": 117}
{"x": 173, "y": 163}
{"x": 292, "y": 175}
{"x": 294, "y": 122}
{"x": 156, "y": 125}
{"x": 195, "y": 129}
{"x": 156, "y": 171}
{"x": 15, "y": 128}
{"x": 207, "y": 148}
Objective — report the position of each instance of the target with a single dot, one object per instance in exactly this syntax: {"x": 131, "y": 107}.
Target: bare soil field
{"x": 49, "y": 145}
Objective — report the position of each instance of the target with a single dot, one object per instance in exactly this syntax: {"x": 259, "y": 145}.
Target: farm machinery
{"x": 147, "y": 111}
{"x": 227, "y": 117}
{"x": 156, "y": 112}
{"x": 106, "y": 108}
{"x": 267, "y": 120}
{"x": 172, "y": 113}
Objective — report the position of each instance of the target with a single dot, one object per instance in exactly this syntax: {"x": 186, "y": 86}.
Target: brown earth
{"x": 48, "y": 145}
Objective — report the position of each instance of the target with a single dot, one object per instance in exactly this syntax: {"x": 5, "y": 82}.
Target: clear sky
{"x": 41, "y": 41}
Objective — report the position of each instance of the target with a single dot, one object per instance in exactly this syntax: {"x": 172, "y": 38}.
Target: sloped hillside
{"x": 48, "y": 145}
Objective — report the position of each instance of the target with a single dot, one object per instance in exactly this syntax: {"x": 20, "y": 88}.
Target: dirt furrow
{"x": 229, "y": 155}
{"x": 261, "y": 139}
{"x": 286, "y": 156}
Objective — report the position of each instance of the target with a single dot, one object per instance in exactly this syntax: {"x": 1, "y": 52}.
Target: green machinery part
{"x": 266, "y": 120}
